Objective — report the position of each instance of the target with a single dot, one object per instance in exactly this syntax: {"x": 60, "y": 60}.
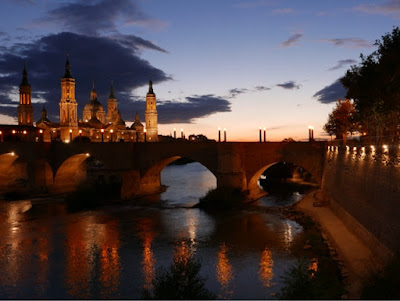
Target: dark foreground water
{"x": 113, "y": 252}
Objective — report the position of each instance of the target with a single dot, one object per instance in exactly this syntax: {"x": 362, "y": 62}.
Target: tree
{"x": 179, "y": 282}
{"x": 341, "y": 120}
{"x": 374, "y": 85}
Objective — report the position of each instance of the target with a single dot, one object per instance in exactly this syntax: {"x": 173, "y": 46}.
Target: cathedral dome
{"x": 94, "y": 105}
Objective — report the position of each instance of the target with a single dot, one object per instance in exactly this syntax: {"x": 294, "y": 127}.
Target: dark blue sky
{"x": 235, "y": 64}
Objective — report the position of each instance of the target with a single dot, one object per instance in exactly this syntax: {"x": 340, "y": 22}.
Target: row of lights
{"x": 13, "y": 154}
{"x": 182, "y": 133}
{"x": 385, "y": 147}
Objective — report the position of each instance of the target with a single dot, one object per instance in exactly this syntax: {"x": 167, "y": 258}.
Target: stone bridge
{"x": 61, "y": 167}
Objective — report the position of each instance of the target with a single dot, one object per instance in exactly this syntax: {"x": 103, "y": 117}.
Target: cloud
{"x": 197, "y": 106}
{"x": 254, "y": 4}
{"x": 135, "y": 42}
{"x": 342, "y": 63}
{"x": 331, "y": 93}
{"x": 349, "y": 42}
{"x": 262, "y": 88}
{"x": 101, "y": 59}
{"x": 293, "y": 39}
{"x": 95, "y": 17}
{"x": 290, "y": 85}
{"x": 283, "y": 11}
{"x": 237, "y": 91}
{"x": 391, "y": 7}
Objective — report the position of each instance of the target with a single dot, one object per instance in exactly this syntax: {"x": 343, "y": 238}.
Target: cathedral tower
{"x": 111, "y": 106}
{"x": 150, "y": 115}
{"x": 25, "y": 109}
{"x": 68, "y": 105}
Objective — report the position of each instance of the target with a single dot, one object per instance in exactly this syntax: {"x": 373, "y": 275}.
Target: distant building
{"x": 198, "y": 138}
{"x": 96, "y": 124}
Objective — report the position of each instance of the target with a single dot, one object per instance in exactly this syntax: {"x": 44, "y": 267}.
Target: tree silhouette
{"x": 374, "y": 85}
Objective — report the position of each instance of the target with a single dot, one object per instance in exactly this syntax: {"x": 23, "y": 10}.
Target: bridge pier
{"x": 230, "y": 170}
{"x": 133, "y": 184}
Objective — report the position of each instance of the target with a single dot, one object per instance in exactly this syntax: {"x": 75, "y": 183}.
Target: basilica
{"x": 96, "y": 124}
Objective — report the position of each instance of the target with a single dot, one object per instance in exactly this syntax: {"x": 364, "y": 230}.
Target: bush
{"x": 385, "y": 285}
{"x": 179, "y": 282}
{"x": 223, "y": 199}
{"x": 303, "y": 283}
{"x": 90, "y": 196}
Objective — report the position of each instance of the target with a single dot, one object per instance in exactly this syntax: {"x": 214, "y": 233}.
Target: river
{"x": 114, "y": 251}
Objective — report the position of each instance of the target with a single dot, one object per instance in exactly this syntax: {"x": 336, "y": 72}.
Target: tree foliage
{"x": 374, "y": 85}
{"x": 342, "y": 119}
{"x": 179, "y": 282}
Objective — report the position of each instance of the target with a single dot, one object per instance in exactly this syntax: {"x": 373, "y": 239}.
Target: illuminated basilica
{"x": 96, "y": 124}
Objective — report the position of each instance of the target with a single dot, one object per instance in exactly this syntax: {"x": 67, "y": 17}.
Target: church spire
{"x": 93, "y": 93}
{"x": 25, "y": 81}
{"x": 67, "y": 73}
{"x": 150, "y": 87}
{"x": 112, "y": 96}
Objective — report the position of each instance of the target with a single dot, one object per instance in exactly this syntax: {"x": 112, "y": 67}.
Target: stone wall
{"x": 363, "y": 184}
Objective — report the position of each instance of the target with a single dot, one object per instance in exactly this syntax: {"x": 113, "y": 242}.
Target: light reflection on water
{"x": 114, "y": 252}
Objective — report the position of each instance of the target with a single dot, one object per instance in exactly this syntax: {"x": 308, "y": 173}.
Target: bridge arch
{"x": 71, "y": 173}
{"x": 252, "y": 184}
{"x": 151, "y": 180}
{"x": 13, "y": 170}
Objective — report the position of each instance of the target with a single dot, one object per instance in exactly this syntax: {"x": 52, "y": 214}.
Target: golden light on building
{"x": 265, "y": 272}
{"x": 224, "y": 272}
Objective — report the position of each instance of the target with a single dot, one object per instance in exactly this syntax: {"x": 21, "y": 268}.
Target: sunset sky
{"x": 237, "y": 64}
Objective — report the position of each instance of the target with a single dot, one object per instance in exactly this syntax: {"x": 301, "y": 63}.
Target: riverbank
{"x": 354, "y": 257}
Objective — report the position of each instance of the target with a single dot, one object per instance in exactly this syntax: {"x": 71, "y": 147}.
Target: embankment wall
{"x": 364, "y": 188}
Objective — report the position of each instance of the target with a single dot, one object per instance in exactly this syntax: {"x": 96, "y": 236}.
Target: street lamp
{"x": 265, "y": 135}
{"x": 182, "y": 133}
{"x": 80, "y": 135}
{"x": 219, "y": 134}
{"x": 1, "y": 136}
{"x": 41, "y": 135}
{"x": 111, "y": 135}
{"x": 224, "y": 134}
{"x": 70, "y": 135}
{"x": 102, "y": 135}
{"x": 310, "y": 133}
{"x": 145, "y": 136}
{"x": 174, "y": 133}
{"x": 259, "y": 128}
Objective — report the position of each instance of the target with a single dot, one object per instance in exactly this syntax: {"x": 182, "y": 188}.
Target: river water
{"x": 114, "y": 251}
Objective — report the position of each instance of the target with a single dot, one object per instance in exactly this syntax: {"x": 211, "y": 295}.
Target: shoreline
{"x": 354, "y": 258}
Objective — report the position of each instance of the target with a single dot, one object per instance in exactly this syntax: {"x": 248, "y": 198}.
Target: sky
{"x": 237, "y": 64}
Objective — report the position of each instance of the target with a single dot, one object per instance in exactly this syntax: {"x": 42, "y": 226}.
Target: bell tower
{"x": 151, "y": 115}
{"x": 68, "y": 105}
{"x": 111, "y": 105}
{"x": 25, "y": 109}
